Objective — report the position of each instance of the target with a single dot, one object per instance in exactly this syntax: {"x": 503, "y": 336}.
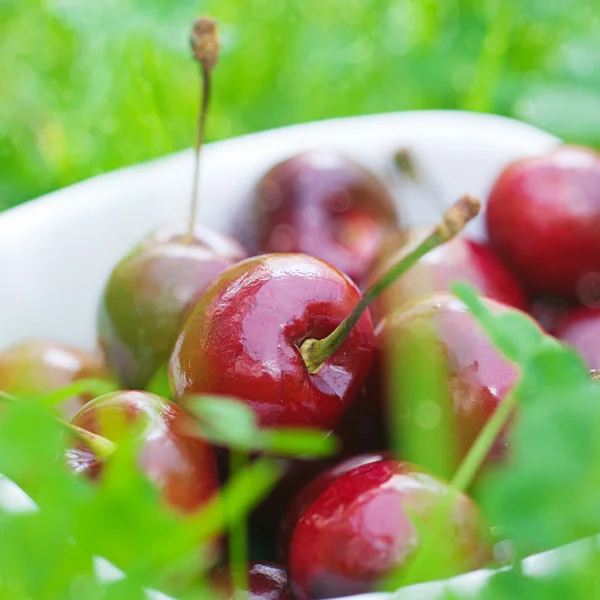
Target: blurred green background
{"x": 88, "y": 86}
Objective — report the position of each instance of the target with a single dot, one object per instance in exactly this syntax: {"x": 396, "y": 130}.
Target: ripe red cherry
{"x": 181, "y": 464}
{"x": 150, "y": 291}
{"x": 543, "y": 220}
{"x": 324, "y": 204}
{"x": 459, "y": 259}
{"x": 580, "y": 328}
{"x": 363, "y": 526}
{"x": 33, "y": 368}
{"x": 149, "y": 294}
{"x": 476, "y": 377}
{"x": 266, "y": 581}
{"x": 243, "y": 338}
{"x": 312, "y": 490}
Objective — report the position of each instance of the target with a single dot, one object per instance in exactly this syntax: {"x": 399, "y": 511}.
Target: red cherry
{"x": 363, "y": 526}
{"x": 312, "y": 490}
{"x": 580, "y": 328}
{"x": 243, "y": 338}
{"x": 460, "y": 259}
{"x": 266, "y": 581}
{"x": 181, "y": 464}
{"x": 33, "y": 368}
{"x": 149, "y": 294}
{"x": 476, "y": 376}
{"x": 324, "y": 204}
{"x": 543, "y": 220}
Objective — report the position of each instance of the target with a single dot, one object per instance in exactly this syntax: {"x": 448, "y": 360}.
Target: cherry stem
{"x": 407, "y": 164}
{"x": 99, "y": 445}
{"x": 316, "y": 352}
{"x": 205, "y": 47}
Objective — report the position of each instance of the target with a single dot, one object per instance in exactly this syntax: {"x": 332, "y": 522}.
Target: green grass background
{"x": 91, "y": 85}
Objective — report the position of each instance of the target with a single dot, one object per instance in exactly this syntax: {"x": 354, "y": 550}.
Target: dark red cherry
{"x": 460, "y": 259}
{"x": 324, "y": 204}
{"x": 312, "y": 490}
{"x": 471, "y": 375}
{"x": 181, "y": 464}
{"x": 543, "y": 220}
{"x": 148, "y": 295}
{"x": 371, "y": 521}
{"x": 266, "y": 581}
{"x": 580, "y": 328}
{"x": 243, "y": 337}
{"x": 38, "y": 367}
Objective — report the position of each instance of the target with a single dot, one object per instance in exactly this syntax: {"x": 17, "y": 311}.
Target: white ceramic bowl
{"x": 57, "y": 252}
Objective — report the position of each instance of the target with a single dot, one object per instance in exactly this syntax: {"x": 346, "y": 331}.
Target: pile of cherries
{"x": 272, "y": 321}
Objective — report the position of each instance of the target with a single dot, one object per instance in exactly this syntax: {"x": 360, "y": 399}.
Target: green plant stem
{"x": 316, "y": 352}
{"x": 238, "y": 535}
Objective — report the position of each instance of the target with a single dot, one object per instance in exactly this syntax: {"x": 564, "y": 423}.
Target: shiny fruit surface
{"x": 543, "y": 220}
{"x": 371, "y": 520}
{"x": 242, "y": 339}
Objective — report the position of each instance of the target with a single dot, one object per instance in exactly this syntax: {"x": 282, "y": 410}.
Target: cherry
{"x": 243, "y": 338}
{"x": 312, "y": 490}
{"x": 475, "y": 377}
{"x": 371, "y": 521}
{"x": 181, "y": 464}
{"x": 150, "y": 291}
{"x": 266, "y": 581}
{"x": 38, "y": 367}
{"x": 324, "y": 204}
{"x": 288, "y": 333}
{"x": 459, "y": 259}
{"x": 580, "y": 328}
{"x": 543, "y": 220}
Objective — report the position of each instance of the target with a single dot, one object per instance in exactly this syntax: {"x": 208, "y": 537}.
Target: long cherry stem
{"x": 407, "y": 163}
{"x": 316, "y": 352}
{"x": 205, "y": 46}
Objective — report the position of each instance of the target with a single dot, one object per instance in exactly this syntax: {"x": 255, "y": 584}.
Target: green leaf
{"x": 231, "y": 422}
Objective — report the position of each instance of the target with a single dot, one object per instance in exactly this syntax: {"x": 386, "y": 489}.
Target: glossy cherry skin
{"x": 475, "y": 376}
{"x": 324, "y": 204}
{"x": 543, "y": 220}
{"x": 180, "y": 464}
{"x": 313, "y": 489}
{"x": 580, "y": 328}
{"x": 362, "y": 526}
{"x": 460, "y": 259}
{"x": 148, "y": 295}
{"x": 38, "y": 367}
{"x": 266, "y": 581}
{"x": 243, "y": 336}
